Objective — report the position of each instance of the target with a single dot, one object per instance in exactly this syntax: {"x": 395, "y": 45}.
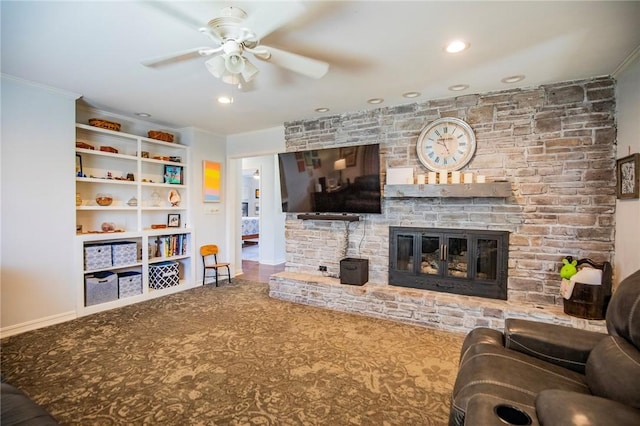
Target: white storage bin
{"x": 129, "y": 284}
{"x": 124, "y": 253}
{"x": 100, "y": 287}
{"x": 97, "y": 256}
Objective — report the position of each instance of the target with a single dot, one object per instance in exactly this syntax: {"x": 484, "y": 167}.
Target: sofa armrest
{"x": 481, "y": 335}
{"x": 558, "y": 407}
{"x": 18, "y": 409}
{"x": 564, "y": 346}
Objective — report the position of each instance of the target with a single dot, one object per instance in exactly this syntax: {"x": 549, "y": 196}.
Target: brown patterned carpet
{"x": 233, "y": 356}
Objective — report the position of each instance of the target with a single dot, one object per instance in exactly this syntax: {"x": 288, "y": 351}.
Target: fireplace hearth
{"x": 460, "y": 261}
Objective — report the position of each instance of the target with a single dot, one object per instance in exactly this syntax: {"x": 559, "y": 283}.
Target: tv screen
{"x": 331, "y": 180}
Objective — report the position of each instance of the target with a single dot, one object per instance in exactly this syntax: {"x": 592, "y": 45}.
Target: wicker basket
{"x": 104, "y": 124}
{"x": 161, "y": 136}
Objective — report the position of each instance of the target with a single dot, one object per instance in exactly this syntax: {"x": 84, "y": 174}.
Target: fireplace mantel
{"x": 462, "y": 190}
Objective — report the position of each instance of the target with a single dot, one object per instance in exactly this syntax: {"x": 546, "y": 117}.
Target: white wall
{"x": 628, "y": 211}
{"x": 38, "y": 210}
{"x": 264, "y": 145}
{"x": 208, "y": 219}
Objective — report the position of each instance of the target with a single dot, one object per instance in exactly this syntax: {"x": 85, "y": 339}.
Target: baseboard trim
{"x": 12, "y": 330}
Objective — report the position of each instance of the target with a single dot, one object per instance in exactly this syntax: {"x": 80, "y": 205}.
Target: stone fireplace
{"x": 555, "y": 145}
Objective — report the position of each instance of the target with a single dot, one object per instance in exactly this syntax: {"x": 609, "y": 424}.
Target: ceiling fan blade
{"x": 310, "y": 67}
{"x": 266, "y": 20}
{"x": 169, "y": 9}
{"x": 184, "y": 55}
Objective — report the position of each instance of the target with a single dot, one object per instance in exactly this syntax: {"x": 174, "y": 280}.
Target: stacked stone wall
{"x": 554, "y": 143}
{"x": 427, "y": 308}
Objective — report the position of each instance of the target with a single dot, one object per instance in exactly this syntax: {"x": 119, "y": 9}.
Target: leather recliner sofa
{"x": 548, "y": 374}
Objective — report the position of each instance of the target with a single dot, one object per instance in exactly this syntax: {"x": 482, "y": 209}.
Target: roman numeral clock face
{"x": 446, "y": 144}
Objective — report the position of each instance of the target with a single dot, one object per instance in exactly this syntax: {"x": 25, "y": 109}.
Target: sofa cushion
{"x": 556, "y": 407}
{"x": 623, "y": 313}
{"x": 613, "y": 371}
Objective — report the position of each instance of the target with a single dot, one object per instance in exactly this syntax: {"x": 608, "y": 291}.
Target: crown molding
{"x": 54, "y": 90}
{"x": 635, "y": 54}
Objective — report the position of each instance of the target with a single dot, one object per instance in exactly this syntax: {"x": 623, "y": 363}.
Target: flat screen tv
{"x": 331, "y": 180}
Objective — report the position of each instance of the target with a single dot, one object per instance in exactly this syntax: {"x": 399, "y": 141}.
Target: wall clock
{"x": 446, "y": 144}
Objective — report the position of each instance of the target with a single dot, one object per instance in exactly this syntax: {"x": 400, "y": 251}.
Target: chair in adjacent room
{"x": 209, "y": 255}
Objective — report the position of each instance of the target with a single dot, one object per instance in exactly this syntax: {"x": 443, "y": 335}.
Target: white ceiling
{"x": 375, "y": 49}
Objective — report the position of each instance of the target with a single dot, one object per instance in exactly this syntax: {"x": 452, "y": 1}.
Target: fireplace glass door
{"x": 444, "y": 255}
{"x": 487, "y": 258}
{"x": 471, "y": 262}
{"x": 457, "y": 257}
{"x": 404, "y": 260}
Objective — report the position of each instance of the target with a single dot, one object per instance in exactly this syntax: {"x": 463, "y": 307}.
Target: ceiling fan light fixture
{"x": 216, "y": 66}
{"x": 249, "y": 71}
{"x": 233, "y": 79}
{"x": 234, "y": 63}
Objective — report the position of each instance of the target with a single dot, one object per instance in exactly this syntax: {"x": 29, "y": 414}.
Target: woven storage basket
{"x": 104, "y": 124}
{"x": 161, "y": 136}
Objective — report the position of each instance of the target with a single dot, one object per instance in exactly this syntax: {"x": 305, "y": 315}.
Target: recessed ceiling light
{"x": 375, "y": 101}
{"x": 458, "y": 87}
{"x": 143, "y": 114}
{"x": 456, "y": 46}
{"x": 322, "y": 109}
{"x": 513, "y": 79}
{"x": 225, "y": 99}
{"x": 411, "y": 94}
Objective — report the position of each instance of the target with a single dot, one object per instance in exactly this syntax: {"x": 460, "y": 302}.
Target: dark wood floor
{"x": 254, "y": 271}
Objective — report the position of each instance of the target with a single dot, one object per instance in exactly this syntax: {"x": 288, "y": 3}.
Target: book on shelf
{"x": 171, "y": 245}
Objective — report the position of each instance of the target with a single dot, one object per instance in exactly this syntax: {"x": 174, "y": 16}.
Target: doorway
{"x": 257, "y": 199}
{"x": 250, "y": 211}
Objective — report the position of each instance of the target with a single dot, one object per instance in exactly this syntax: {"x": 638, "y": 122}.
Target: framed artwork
{"x": 173, "y": 220}
{"x": 79, "y": 172}
{"x": 211, "y": 181}
{"x": 628, "y": 177}
{"x": 349, "y": 154}
{"x": 173, "y": 174}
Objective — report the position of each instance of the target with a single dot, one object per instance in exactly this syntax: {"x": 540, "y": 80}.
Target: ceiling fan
{"x": 234, "y": 34}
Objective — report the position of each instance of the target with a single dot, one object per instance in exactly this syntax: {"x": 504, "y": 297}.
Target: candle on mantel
{"x": 443, "y": 177}
{"x": 455, "y": 177}
{"x": 432, "y": 178}
{"x": 468, "y": 177}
